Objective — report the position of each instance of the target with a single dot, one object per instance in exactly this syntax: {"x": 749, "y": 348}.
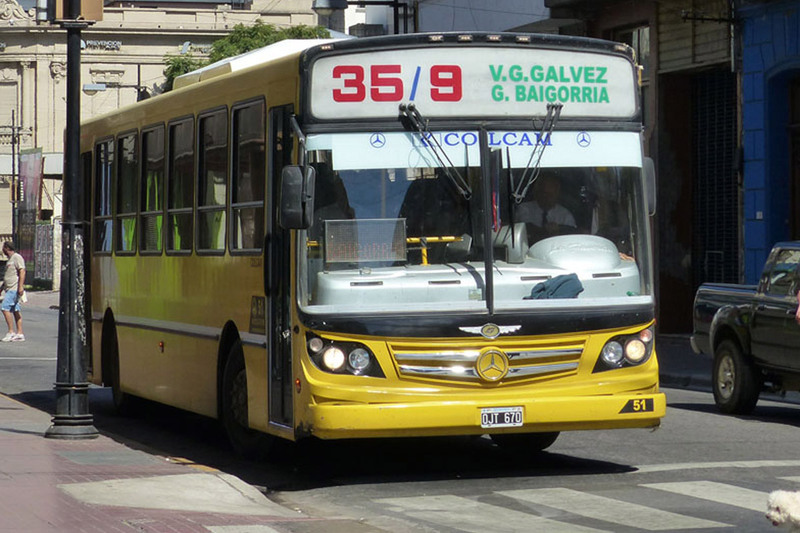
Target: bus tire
{"x": 525, "y": 442}
{"x": 244, "y": 441}
{"x": 124, "y": 403}
{"x": 736, "y": 382}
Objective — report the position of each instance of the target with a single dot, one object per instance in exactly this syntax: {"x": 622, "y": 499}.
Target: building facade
{"x": 771, "y": 126}
{"x": 690, "y": 94}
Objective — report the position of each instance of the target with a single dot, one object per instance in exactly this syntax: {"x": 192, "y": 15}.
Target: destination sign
{"x": 473, "y": 82}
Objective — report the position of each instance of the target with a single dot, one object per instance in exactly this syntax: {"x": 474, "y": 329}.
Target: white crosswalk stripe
{"x": 472, "y": 516}
{"x": 559, "y": 510}
{"x": 610, "y": 510}
{"x": 753, "y": 500}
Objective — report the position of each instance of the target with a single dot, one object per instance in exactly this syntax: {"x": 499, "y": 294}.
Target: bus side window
{"x": 152, "y": 217}
{"x": 212, "y": 132}
{"x": 104, "y": 171}
{"x": 180, "y": 188}
{"x": 249, "y": 177}
{"x": 127, "y": 192}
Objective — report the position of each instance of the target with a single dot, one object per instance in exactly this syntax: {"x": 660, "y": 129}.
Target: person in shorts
{"x": 14, "y": 287}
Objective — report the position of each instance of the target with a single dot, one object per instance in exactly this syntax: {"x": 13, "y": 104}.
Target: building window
{"x": 152, "y": 218}
{"x": 104, "y": 174}
{"x": 180, "y": 196}
{"x": 249, "y": 177}
{"x": 212, "y": 188}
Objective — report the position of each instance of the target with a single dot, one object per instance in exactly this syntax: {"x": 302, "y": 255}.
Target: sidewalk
{"x": 103, "y": 486}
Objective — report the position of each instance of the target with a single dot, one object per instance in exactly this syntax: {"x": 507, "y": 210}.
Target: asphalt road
{"x": 700, "y": 470}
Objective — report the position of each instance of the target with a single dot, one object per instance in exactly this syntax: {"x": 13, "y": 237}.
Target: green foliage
{"x": 241, "y": 39}
{"x": 178, "y": 65}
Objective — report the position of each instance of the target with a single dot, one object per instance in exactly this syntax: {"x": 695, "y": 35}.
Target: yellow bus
{"x": 417, "y": 235}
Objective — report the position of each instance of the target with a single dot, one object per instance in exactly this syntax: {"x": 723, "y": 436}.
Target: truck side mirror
{"x": 649, "y": 171}
{"x": 296, "y": 197}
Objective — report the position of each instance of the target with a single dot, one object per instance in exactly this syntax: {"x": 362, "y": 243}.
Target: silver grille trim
{"x": 524, "y": 371}
{"x": 451, "y": 372}
{"x": 460, "y": 364}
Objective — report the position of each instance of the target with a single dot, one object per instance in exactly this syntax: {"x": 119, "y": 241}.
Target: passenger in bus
{"x": 544, "y": 215}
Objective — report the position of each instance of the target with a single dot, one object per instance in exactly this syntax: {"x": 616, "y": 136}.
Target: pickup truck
{"x": 751, "y": 332}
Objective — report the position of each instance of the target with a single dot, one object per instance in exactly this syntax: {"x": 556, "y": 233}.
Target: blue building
{"x": 770, "y": 73}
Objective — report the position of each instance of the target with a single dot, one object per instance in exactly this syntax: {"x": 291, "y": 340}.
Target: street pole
{"x": 14, "y": 180}
{"x": 72, "y": 419}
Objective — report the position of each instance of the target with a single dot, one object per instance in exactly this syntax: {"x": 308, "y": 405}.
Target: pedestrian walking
{"x": 14, "y": 287}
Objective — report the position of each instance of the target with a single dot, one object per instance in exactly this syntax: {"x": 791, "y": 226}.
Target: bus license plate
{"x": 501, "y": 417}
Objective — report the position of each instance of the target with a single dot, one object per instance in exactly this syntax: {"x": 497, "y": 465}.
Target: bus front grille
{"x": 461, "y": 365}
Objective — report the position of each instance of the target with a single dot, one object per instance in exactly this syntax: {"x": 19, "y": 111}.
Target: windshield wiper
{"x": 420, "y": 125}
{"x": 520, "y": 190}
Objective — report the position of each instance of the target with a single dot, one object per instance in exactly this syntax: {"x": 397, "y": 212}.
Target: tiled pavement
{"x": 100, "y": 485}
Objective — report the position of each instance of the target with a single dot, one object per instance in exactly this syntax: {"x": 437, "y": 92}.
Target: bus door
{"x": 277, "y": 274}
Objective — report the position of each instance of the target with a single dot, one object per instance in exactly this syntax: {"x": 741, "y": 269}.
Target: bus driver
{"x": 545, "y": 216}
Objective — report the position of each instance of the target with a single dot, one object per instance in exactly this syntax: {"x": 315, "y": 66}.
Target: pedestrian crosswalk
{"x": 610, "y": 510}
{"x": 560, "y": 509}
{"x": 717, "y": 492}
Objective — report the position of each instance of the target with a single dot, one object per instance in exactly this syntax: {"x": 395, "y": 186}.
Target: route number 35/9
{"x": 386, "y": 85}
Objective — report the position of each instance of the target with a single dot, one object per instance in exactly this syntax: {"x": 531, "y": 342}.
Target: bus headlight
{"x": 359, "y": 360}
{"x": 340, "y": 357}
{"x": 612, "y": 353}
{"x": 333, "y": 358}
{"x": 635, "y": 350}
{"x": 626, "y": 350}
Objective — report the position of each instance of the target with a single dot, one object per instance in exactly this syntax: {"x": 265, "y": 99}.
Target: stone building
{"x": 122, "y": 57}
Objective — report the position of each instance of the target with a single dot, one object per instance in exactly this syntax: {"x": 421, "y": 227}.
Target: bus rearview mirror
{"x": 297, "y": 197}
{"x": 650, "y": 184}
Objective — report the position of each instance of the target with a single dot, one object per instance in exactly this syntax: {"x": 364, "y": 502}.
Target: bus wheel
{"x": 525, "y": 442}
{"x": 735, "y": 381}
{"x": 124, "y": 403}
{"x": 244, "y": 441}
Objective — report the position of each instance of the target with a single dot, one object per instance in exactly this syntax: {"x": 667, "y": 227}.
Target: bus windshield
{"x": 394, "y": 230}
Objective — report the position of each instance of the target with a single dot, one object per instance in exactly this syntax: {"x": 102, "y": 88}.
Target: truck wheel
{"x": 735, "y": 380}
{"x": 525, "y": 442}
{"x": 244, "y": 441}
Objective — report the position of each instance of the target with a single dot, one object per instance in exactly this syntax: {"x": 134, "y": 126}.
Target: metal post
{"x": 72, "y": 419}
{"x": 14, "y": 179}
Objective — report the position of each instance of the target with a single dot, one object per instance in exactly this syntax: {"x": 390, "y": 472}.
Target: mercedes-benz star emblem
{"x": 584, "y": 139}
{"x": 492, "y": 366}
{"x": 377, "y": 140}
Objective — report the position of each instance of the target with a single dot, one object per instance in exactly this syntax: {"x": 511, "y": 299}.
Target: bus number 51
{"x": 386, "y": 85}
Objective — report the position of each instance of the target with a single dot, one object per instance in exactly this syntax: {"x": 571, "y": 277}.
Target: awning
{"x": 53, "y": 165}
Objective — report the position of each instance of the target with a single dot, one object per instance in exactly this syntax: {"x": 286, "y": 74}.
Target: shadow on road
{"x": 313, "y": 463}
{"x": 788, "y": 415}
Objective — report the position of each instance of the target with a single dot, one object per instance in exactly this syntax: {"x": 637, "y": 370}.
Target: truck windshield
{"x": 392, "y": 232}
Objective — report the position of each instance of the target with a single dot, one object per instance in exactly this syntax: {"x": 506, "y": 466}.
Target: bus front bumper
{"x": 337, "y": 420}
